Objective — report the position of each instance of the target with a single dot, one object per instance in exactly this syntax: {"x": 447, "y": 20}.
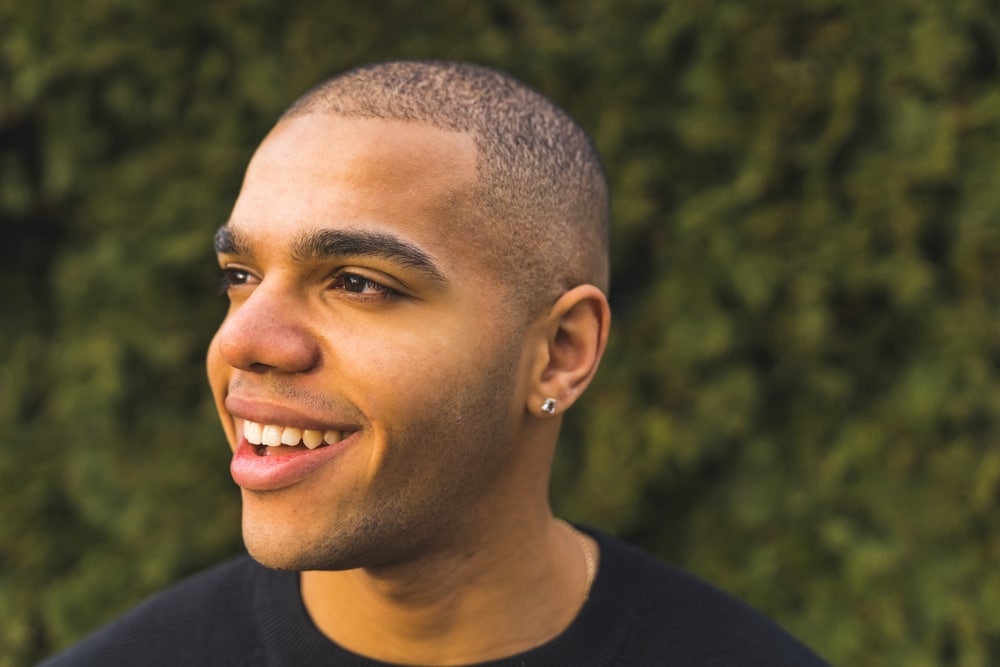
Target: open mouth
{"x": 274, "y": 439}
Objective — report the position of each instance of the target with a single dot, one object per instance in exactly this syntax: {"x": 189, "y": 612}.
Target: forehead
{"x": 318, "y": 172}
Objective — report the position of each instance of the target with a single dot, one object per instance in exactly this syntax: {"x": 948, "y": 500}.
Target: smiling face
{"x": 364, "y": 331}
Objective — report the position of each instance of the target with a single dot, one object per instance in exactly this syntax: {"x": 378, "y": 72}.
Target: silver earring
{"x": 549, "y": 406}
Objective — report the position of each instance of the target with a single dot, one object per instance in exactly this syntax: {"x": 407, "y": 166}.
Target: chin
{"x": 292, "y": 555}
{"x": 301, "y": 544}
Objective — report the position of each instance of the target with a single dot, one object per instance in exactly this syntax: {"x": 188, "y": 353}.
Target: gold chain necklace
{"x": 589, "y": 560}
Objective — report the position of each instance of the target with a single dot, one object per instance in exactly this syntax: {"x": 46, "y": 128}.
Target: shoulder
{"x": 673, "y": 614}
{"x": 207, "y": 613}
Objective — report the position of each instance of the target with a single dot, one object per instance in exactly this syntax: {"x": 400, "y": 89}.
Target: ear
{"x": 575, "y": 335}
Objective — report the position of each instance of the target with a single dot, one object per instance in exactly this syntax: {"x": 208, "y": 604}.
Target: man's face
{"x": 359, "y": 313}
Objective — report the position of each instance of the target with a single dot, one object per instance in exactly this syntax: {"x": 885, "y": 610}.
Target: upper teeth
{"x": 273, "y": 435}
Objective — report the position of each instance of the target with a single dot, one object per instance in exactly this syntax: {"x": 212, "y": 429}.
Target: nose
{"x": 268, "y": 332}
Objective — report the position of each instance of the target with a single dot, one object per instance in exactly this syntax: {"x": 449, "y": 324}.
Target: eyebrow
{"x": 332, "y": 243}
{"x": 228, "y": 241}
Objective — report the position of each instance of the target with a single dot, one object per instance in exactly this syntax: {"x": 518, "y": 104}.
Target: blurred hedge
{"x": 801, "y": 398}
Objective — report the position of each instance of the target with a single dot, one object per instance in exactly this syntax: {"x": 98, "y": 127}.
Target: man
{"x": 417, "y": 267}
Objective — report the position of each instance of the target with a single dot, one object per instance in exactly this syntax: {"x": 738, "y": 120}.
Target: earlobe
{"x": 576, "y": 335}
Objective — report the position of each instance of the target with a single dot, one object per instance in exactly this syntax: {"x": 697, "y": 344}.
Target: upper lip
{"x": 264, "y": 412}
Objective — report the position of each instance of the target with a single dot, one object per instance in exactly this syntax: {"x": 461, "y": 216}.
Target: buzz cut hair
{"x": 541, "y": 193}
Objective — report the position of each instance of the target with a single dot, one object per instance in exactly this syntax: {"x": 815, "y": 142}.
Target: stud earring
{"x": 549, "y": 406}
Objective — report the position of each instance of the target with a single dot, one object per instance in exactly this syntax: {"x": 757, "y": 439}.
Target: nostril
{"x": 258, "y": 367}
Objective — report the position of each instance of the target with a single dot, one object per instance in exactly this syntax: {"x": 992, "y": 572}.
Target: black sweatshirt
{"x": 640, "y": 612}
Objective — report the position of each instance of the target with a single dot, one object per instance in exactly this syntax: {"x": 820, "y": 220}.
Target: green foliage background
{"x": 801, "y": 398}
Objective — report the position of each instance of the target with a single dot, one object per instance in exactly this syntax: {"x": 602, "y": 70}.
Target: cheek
{"x": 413, "y": 370}
{"x": 218, "y": 380}
{"x": 425, "y": 383}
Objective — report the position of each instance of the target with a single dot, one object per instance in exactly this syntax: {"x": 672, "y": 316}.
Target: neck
{"x": 501, "y": 593}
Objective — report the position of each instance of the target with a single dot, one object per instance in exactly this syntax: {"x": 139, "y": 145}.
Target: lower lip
{"x": 254, "y": 472}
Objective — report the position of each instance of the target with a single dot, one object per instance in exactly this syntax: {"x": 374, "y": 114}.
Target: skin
{"x": 428, "y": 538}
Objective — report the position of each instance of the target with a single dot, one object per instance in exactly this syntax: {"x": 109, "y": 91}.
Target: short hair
{"x": 541, "y": 188}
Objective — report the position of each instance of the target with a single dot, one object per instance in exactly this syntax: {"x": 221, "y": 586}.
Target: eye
{"x": 357, "y": 284}
{"x": 229, "y": 278}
